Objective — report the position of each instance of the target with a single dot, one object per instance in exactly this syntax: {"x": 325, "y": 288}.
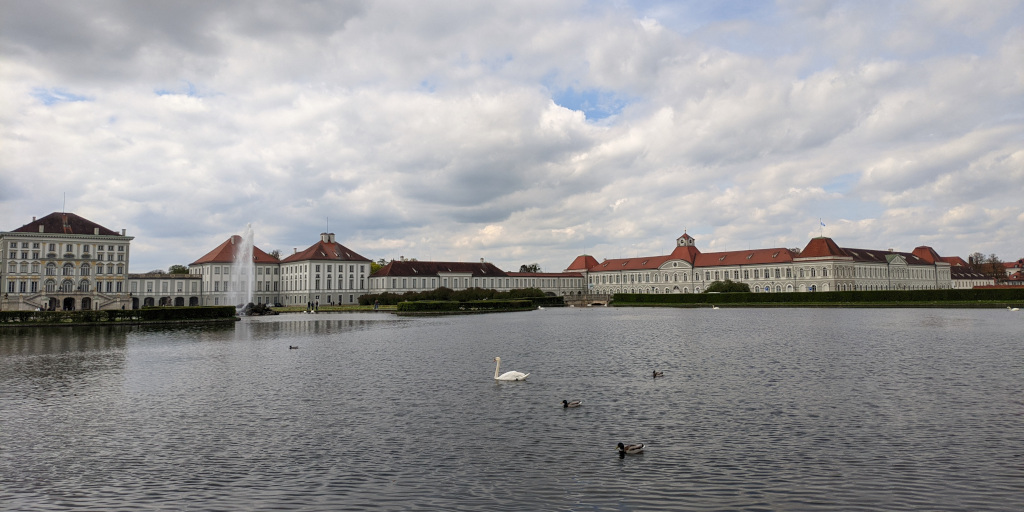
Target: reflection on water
{"x": 757, "y": 410}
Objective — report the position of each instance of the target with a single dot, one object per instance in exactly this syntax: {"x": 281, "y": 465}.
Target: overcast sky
{"x": 517, "y": 132}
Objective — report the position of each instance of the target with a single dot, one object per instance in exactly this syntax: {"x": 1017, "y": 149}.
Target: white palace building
{"x": 64, "y": 261}
{"x": 820, "y": 266}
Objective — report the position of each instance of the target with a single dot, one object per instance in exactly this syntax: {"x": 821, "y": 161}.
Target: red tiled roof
{"x": 927, "y": 254}
{"x": 66, "y": 223}
{"x": 433, "y": 268}
{"x": 750, "y": 257}
{"x": 225, "y": 253}
{"x": 954, "y": 261}
{"x": 582, "y": 262}
{"x": 321, "y": 250}
{"x": 822, "y": 247}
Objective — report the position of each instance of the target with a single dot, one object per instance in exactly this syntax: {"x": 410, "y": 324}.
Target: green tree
{"x": 178, "y": 269}
{"x": 376, "y": 265}
{"x": 532, "y": 267}
{"x": 727, "y": 286}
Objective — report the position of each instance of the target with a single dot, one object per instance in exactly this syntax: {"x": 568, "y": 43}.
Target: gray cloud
{"x": 447, "y": 131}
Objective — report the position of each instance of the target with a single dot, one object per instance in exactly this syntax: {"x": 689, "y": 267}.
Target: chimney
{"x": 481, "y": 260}
{"x": 295, "y": 250}
{"x": 327, "y": 238}
{"x": 33, "y": 218}
{"x": 123, "y": 231}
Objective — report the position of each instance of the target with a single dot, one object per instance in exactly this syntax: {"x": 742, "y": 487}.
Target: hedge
{"x": 860, "y": 296}
{"x": 451, "y": 306}
{"x": 447, "y": 294}
{"x": 158, "y": 314}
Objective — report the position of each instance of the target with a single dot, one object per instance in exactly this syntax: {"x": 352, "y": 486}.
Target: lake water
{"x": 758, "y": 409}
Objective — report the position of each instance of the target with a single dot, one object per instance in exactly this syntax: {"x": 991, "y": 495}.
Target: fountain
{"x": 243, "y": 271}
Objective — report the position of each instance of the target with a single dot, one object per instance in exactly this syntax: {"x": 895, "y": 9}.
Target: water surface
{"x": 759, "y": 409}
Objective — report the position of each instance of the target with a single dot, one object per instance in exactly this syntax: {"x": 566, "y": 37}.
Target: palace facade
{"x": 63, "y": 261}
{"x": 400, "y": 276}
{"x": 820, "y": 266}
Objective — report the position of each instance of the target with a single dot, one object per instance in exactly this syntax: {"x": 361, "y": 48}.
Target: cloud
{"x": 516, "y": 132}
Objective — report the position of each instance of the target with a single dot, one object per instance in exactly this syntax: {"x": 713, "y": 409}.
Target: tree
{"x": 994, "y": 267}
{"x": 727, "y": 286}
{"x": 178, "y": 269}
{"x": 532, "y": 267}
{"x": 276, "y": 253}
{"x": 990, "y": 265}
{"x": 376, "y": 265}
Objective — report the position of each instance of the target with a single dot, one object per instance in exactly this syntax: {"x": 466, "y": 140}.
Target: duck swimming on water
{"x": 655, "y": 374}
{"x": 575, "y": 403}
{"x": 631, "y": 448}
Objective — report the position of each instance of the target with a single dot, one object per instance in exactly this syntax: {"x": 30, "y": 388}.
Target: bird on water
{"x": 575, "y": 403}
{"x": 655, "y": 374}
{"x": 630, "y": 449}
{"x": 512, "y": 375}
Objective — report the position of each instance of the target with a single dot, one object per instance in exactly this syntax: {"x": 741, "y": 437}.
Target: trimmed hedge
{"x": 159, "y": 314}
{"x": 447, "y": 294}
{"x": 860, "y": 296}
{"x": 451, "y": 306}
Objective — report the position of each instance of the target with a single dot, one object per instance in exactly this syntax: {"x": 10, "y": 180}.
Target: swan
{"x": 631, "y": 448}
{"x": 1012, "y": 309}
{"x": 714, "y": 307}
{"x": 574, "y": 403}
{"x": 655, "y": 374}
{"x": 512, "y": 375}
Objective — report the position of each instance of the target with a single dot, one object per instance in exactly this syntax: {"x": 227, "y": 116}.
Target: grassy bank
{"x": 983, "y": 298}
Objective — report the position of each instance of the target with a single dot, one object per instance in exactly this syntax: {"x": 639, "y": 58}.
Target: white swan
{"x": 513, "y": 375}
{"x": 1012, "y": 309}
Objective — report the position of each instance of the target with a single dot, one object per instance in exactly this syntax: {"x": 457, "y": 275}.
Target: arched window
{"x": 67, "y": 286}
{"x": 68, "y": 270}
{"x": 813, "y": 273}
{"x": 83, "y": 285}
{"x": 86, "y": 269}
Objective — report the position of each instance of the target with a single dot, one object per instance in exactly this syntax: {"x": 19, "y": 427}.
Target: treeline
{"x": 159, "y": 314}
{"x": 995, "y": 295}
{"x": 447, "y": 295}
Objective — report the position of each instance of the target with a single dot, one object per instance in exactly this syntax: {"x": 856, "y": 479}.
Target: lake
{"x": 758, "y": 409}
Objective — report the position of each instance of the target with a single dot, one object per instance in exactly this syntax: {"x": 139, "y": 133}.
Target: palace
{"x": 820, "y": 266}
{"x": 63, "y": 261}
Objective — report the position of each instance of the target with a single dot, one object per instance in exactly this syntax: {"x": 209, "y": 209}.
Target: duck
{"x": 292, "y": 347}
{"x": 655, "y": 374}
{"x": 575, "y": 403}
{"x": 630, "y": 449}
{"x": 512, "y": 375}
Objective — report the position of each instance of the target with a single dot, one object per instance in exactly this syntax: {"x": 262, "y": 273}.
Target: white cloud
{"x": 432, "y": 130}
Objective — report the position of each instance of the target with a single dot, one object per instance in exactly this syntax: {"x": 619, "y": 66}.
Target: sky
{"x": 517, "y": 132}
